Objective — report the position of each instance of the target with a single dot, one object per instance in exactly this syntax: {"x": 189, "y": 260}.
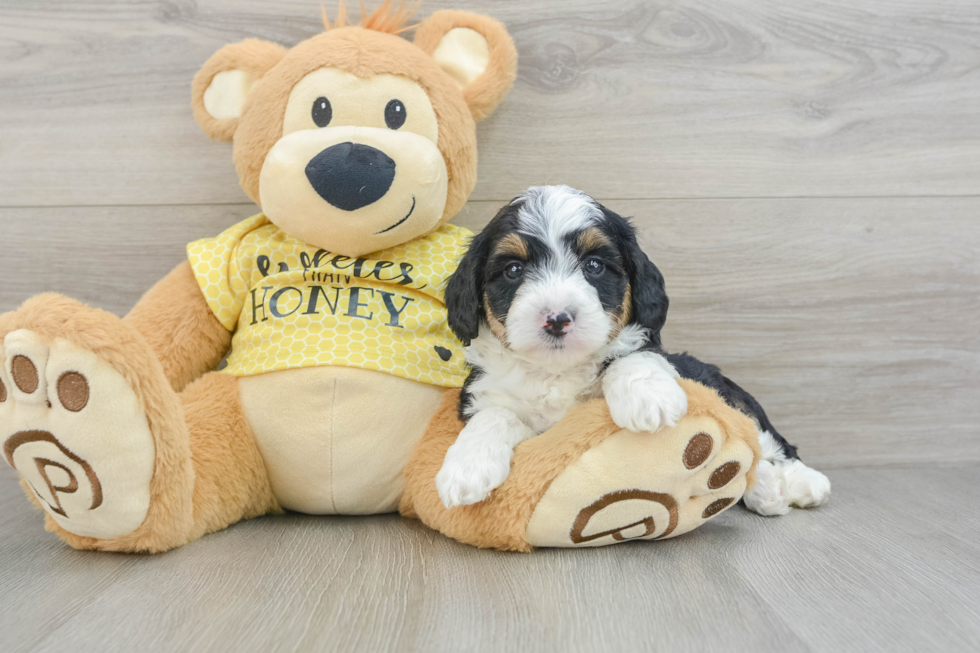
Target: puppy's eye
{"x": 514, "y": 271}
{"x": 594, "y": 266}
{"x": 322, "y": 111}
{"x": 395, "y": 114}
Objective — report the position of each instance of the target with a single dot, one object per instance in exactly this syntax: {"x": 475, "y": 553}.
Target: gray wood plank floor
{"x": 807, "y": 176}
{"x": 890, "y": 564}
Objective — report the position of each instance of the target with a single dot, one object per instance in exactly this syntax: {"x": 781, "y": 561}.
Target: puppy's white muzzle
{"x": 558, "y": 314}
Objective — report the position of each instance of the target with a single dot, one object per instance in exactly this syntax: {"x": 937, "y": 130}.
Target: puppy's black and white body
{"x": 558, "y": 304}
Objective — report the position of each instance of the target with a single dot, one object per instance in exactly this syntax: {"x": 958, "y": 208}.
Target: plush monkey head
{"x": 357, "y": 140}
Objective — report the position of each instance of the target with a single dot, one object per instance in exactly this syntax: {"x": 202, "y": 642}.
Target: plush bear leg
{"x": 586, "y": 482}
{"x": 230, "y": 479}
{"x": 114, "y": 456}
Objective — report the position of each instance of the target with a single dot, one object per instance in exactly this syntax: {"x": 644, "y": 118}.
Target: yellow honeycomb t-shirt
{"x": 292, "y": 305}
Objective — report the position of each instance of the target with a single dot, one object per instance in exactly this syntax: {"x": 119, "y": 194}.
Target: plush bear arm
{"x": 175, "y": 320}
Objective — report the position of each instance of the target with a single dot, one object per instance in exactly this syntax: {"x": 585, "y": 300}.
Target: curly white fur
{"x": 784, "y": 483}
{"x": 642, "y": 392}
{"x": 479, "y": 461}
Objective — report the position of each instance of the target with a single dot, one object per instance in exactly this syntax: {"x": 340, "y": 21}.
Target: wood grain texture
{"x": 879, "y": 568}
{"x": 854, "y": 321}
{"x": 792, "y": 167}
{"x": 644, "y": 99}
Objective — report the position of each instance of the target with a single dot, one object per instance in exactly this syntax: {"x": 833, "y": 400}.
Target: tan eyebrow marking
{"x": 593, "y": 238}
{"x": 512, "y": 244}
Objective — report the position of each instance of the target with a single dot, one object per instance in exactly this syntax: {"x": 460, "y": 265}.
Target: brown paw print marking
{"x": 3, "y": 392}
{"x": 24, "y": 373}
{"x": 723, "y": 475}
{"x": 586, "y": 514}
{"x": 25, "y": 437}
{"x": 73, "y": 391}
{"x": 698, "y": 449}
{"x": 715, "y": 507}
{"x": 42, "y": 465}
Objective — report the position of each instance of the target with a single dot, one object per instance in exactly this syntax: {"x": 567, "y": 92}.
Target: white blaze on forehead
{"x": 552, "y": 212}
{"x": 557, "y": 284}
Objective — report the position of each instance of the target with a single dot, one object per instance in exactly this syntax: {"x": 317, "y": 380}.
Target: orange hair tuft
{"x": 388, "y": 18}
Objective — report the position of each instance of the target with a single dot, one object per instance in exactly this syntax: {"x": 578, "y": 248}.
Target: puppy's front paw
{"x": 471, "y": 472}
{"x": 643, "y": 394}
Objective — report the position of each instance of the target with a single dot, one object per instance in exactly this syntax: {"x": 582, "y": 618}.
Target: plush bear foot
{"x": 90, "y": 423}
{"x": 589, "y": 482}
{"x": 643, "y": 486}
{"x": 74, "y": 430}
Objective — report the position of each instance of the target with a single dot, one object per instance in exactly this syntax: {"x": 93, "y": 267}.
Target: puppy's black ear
{"x": 649, "y": 295}
{"x": 647, "y": 291}
{"x": 464, "y": 293}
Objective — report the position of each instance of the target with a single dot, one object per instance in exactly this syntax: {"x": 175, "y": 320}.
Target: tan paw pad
{"x": 643, "y": 486}
{"x": 75, "y": 431}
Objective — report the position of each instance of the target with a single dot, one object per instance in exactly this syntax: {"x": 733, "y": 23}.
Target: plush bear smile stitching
{"x": 407, "y": 215}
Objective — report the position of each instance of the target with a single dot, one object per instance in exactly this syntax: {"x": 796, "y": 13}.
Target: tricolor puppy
{"x": 557, "y": 304}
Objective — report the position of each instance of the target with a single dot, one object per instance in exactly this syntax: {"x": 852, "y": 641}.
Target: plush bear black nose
{"x": 351, "y": 175}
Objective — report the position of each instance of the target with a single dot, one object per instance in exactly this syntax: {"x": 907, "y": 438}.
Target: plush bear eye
{"x": 395, "y": 114}
{"x": 322, "y": 111}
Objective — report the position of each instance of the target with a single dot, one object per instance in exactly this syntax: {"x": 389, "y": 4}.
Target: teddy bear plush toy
{"x": 341, "y": 375}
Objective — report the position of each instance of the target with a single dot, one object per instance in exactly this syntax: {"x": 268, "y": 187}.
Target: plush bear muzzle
{"x": 352, "y": 189}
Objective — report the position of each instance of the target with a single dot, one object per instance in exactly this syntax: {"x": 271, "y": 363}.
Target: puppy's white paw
{"x": 783, "y": 484}
{"x": 768, "y": 496}
{"x": 471, "y": 471}
{"x": 479, "y": 460}
{"x": 642, "y": 393}
{"x": 805, "y": 486}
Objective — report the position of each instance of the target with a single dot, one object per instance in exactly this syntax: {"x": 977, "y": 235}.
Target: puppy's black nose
{"x": 555, "y": 324}
{"x": 350, "y": 175}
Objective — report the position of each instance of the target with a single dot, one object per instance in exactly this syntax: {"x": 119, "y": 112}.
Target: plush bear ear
{"x": 222, "y": 84}
{"x": 476, "y": 51}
